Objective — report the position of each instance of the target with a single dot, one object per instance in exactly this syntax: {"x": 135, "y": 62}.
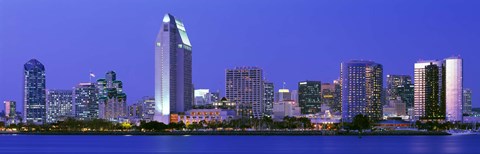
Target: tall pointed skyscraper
{"x": 173, "y": 70}
{"x": 34, "y": 94}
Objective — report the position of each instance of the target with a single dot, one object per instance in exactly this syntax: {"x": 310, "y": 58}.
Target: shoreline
{"x": 240, "y": 133}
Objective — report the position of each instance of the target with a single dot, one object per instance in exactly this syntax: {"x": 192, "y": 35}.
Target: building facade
{"x": 268, "y": 97}
{"x": 310, "y": 97}
{"x": 225, "y": 104}
{"x": 205, "y": 115}
{"x": 215, "y": 96}
{"x": 285, "y": 108}
{"x": 331, "y": 96}
{"x": 85, "y": 101}
{"x": 10, "y": 109}
{"x": 454, "y": 89}
{"x": 34, "y": 93}
{"x": 283, "y": 95}
{"x": 294, "y": 94}
{"x": 400, "y": 87}
{"x": 362, "y": 85}
{"x": 467, "y": 101}
{"x": 439, "y": 90}
{"x": 428, "y": 75}
{"x": 244, "y": 86}
{"x": 112, "y": 101}
{"x": 144, "y": 110}
{"x": 59, "y": 105}
{"x": 173, "y": 70}
{"x": 202, "y": 97}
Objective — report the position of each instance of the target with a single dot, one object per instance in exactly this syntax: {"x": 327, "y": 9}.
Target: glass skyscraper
{"x": 34, "y": 94}
{"x": 173, "y": 70}
{"x": 59, "y": 105}
{"x": 310, "y": 97}
{"x": 362, "y": 85}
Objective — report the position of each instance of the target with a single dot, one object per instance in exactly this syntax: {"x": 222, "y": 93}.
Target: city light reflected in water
{"x": 239, "y": 144}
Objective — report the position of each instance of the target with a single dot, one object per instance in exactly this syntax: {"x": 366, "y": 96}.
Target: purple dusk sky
{"x": 292, "y": 41}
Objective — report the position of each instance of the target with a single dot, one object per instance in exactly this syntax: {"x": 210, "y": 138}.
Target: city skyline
{"x": 327, "y": 71}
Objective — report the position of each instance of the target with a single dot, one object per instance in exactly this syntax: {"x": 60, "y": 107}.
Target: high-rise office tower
{"x": 59, "y": 105}
{"x": 85, "y": 101}
{"x": 467, "y": 101}
{"x": 34, "y": 94}
{"x": 454, "y": 88}
{"x": 427, "y": 88}
{"x": 400, "y": 87}
{"x": 310, "y": 97}
{"x": 112, "y": 101}
{"x": 173, "y": 70}
{"x": 244, "y": 87}
{"x": 268, "y": 98}
{"x": 10, "y": 109}
{"x": 331, "y": 97}
{"x": 439, "y": 90}
{"x": 362, "y": 85}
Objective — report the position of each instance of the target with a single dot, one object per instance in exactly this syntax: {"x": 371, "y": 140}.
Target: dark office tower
{"x": 362, "y": 85}
{"x": 34, "y": 93}
{"x": 434, "y": 104}
{"x": 268, "y": 97}
{"x": 112, "y": 100}
{"x": 338, "y": 95}
{"x": 467, "y": 101}
{"x": 400, "y": 87}
{"x": 173, "y": 70}
{"x": 85, "y": 101}
{"x": 330, "y": 96}
{"x": 59, "y": 105}
{"x": 244, "y": 87}
{"x": 310, "y": 97}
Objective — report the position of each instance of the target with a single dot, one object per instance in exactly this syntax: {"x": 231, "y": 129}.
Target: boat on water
{"x": 462, "y": 132}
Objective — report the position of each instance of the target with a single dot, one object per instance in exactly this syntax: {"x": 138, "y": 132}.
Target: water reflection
{"x": 239, "y": 144}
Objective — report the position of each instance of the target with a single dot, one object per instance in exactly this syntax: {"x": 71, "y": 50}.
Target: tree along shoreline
{"x": 243, "y": 133}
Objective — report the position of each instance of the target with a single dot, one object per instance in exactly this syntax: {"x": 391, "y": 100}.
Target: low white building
{"x": 285, "y": 108}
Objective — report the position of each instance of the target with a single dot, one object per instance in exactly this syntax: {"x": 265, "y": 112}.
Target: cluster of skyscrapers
{"x": 86, "y": 101}
{"x": 435, "y": 93}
